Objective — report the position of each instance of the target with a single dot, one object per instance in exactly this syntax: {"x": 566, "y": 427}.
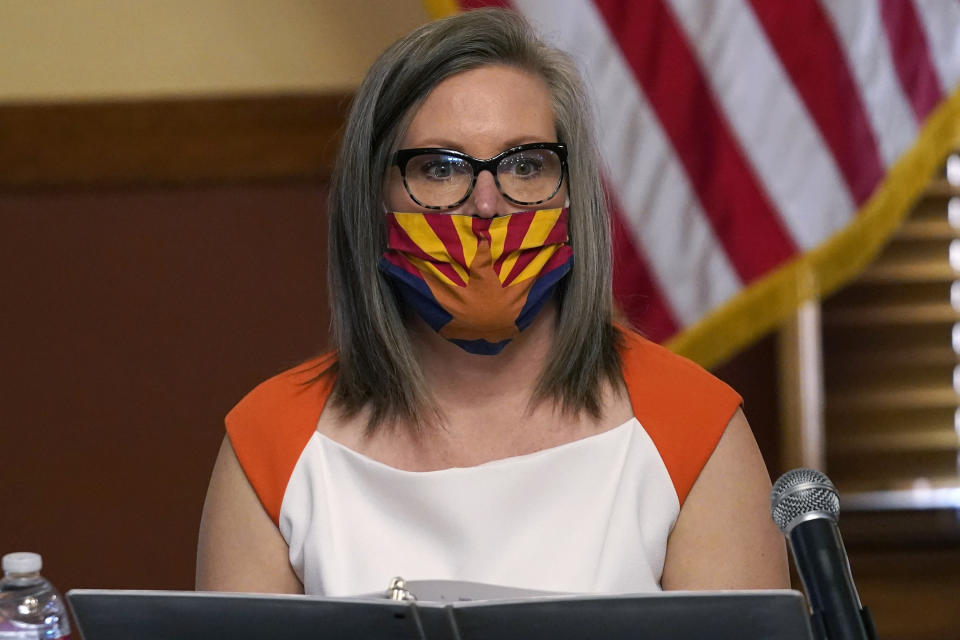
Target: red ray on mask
{"x": 446, "y": 231}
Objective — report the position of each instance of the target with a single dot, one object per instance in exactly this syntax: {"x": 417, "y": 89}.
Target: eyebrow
{"x": 441, "y": 143}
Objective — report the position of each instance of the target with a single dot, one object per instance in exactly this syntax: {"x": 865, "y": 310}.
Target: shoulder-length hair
{"x": 377, "y": 370}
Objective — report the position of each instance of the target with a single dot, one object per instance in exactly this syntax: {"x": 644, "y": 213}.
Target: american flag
{"x": 758, "y": 153}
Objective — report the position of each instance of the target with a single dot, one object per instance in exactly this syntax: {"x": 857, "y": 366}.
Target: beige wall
{"x": 53, "y": 50}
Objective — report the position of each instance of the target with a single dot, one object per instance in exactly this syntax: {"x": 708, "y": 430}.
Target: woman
{"x": 481, "y": 418}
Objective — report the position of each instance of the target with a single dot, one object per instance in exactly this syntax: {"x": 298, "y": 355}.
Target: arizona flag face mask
{"x": 478, "y": 282}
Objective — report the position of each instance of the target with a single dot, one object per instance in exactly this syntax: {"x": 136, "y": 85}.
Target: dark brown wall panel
{"x": 752, "y": 372}
{"x": 131, "y": 321}
{"x": 170, "y": 141}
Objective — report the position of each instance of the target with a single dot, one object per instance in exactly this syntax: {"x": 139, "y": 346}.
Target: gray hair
{"x": 377, "y": 369}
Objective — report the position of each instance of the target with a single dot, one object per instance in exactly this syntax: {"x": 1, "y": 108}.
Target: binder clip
{"x": 398, "y": 590}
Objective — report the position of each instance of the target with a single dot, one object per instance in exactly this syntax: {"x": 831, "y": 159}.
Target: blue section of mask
{"x": 480, "y": 347}
{"x": 541, "y": 291}
{"x": 417, "y": 295}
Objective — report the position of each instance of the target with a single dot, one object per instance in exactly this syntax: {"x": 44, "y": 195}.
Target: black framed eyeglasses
{"x": 527, "y": 174}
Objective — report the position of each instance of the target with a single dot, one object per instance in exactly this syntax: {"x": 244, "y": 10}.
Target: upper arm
{"x": 724, "y": 537}
{"x": 240, "y": 547}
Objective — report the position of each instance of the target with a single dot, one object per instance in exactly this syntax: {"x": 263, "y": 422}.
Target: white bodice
{"x": 589, "y": 516}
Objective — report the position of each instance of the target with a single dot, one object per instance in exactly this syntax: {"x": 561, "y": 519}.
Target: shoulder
{"x": 682, "y": 407}
{"x": 271, "y": 425}
{"x": 652, "y": 370}
{"x": 292, "y": 392}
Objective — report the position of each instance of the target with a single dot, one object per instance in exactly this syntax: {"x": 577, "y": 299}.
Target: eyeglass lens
{"x": 526, "y": 177}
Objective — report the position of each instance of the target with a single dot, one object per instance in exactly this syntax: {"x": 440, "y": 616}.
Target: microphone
{"x": 805, "y": 507}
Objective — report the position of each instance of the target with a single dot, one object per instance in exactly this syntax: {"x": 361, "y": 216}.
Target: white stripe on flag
{"x": 862, "y": 35}
{"x": 776, "y": 133}
{"x": 941, "y": 20}
{"x": 661, "y": 210}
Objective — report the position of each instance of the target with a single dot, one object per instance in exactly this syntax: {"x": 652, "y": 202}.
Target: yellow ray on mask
{"x": 536, "y": 265}
{"x": 423, "y": 235}
{"x": 426, "y": 266}
{"x": 541, "y": 226}
{"x": 498, "y": 236}
{"x": 464, "y": 227}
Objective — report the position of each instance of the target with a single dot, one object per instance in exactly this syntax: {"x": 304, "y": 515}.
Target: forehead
{"x": 483, "y": 111}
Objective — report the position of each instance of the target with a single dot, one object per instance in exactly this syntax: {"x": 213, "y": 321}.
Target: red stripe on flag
{"x": 911, "y": 56}
{"x": 811, "y": 53}
{"x": 739, "y": 210}
{"x": 637, "y": 293}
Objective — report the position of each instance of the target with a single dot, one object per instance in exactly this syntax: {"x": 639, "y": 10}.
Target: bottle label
{"x": 11, "y": 631}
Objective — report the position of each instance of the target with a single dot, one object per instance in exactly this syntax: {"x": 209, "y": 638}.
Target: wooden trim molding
{"x": 174, "y": 141}
{"x": 800, "y": 370}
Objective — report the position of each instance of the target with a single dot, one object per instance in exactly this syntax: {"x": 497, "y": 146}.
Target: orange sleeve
{"x": 683, "y": 408}
{"x": 272, "y": 424}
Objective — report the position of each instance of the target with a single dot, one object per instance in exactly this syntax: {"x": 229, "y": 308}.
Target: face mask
{"x": 478, "y": 282}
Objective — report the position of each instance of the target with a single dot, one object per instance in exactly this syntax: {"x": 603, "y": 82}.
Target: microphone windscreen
{"x": 802, "y": 494}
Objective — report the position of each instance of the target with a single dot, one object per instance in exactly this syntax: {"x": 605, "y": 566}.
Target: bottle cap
{"x": 22, "y": 562}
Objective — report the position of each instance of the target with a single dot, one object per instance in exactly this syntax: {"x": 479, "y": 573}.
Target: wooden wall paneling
{"x": 170, "y": 141}
{"x": 133, "y": 322}
{"x": 752, "y": 372}
{"x": 906, "y": 568}
{"x": 157, "y": 260}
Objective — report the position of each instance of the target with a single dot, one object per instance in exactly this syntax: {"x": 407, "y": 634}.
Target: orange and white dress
{"x": 589, "y": 516}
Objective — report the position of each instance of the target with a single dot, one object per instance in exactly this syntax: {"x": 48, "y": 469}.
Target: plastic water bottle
{"x": 30, "y": 607}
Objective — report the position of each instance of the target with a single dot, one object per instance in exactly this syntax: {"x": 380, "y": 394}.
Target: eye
{"x": 523, "y": 166}
{"x": 441, "y": 168}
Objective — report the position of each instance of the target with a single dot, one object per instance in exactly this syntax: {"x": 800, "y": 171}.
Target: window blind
{"x": 890, "y": 356}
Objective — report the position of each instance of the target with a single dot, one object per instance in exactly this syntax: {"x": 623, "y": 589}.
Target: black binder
{"x": 187, "y": 615}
